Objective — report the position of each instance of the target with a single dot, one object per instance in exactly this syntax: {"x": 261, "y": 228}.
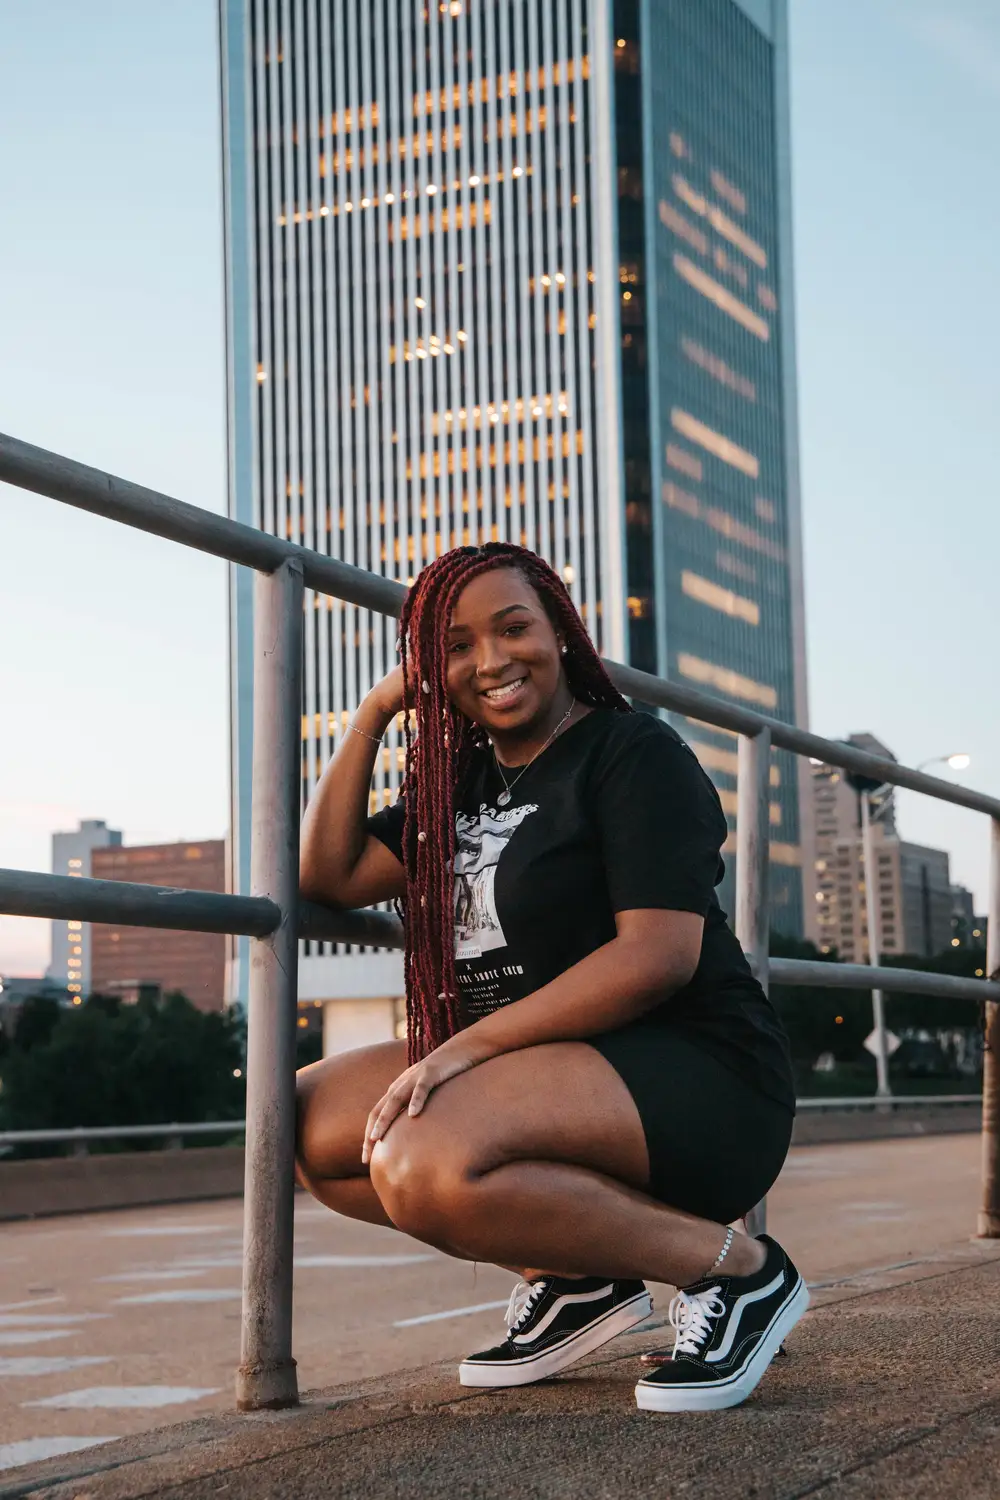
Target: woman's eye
{"x": 457, "y": 646}
{"x": 515, "y": 629}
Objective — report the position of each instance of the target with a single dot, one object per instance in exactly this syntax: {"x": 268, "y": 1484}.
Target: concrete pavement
{"x": 886, "y": 1393}
{"x": 106, "y": 1318}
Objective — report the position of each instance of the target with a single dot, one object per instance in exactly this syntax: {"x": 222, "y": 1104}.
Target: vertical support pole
{"x": 989, "y": 1212}
{"x": 753, "y": 832}
{"x": 883, "y": 1089}
{"x": 266, "y": 1375}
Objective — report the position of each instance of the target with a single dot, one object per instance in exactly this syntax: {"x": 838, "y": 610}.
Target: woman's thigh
{"x": 333, "y": 1099}
{"x": 716, "y": 1144}
{"x": 561, "y": 1102}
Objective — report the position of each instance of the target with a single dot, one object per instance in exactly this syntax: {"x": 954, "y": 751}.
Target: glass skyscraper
{"x": 517, "y": 269}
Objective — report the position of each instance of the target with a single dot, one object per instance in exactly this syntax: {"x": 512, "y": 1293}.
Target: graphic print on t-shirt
{"x": 480, "y": 839}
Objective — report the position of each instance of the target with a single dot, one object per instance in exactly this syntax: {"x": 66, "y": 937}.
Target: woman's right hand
{"x": 387, "y": 695}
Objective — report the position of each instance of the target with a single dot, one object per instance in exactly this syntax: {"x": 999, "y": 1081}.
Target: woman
{"x": 594, "y": 1085}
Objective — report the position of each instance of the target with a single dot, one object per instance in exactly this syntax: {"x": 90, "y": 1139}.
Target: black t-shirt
{"x": 616, "y": 815}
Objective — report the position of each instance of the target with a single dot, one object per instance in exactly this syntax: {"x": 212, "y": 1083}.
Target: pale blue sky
{"x": 112, "y": 664}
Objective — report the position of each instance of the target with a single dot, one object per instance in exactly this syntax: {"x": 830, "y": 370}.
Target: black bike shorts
{"x": 716, "y": 1144}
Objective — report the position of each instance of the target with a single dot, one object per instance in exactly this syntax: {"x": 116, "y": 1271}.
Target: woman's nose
{"x": 491, "y": 660}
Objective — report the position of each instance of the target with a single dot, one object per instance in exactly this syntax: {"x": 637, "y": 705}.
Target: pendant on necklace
{"x": 503, "y": 798}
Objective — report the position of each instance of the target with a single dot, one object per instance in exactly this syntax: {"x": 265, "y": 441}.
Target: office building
{"x": 925, "y": 880}
{"x": 128, "y": 961}
{"x": 70, "y": 944}
{"x": 968, "y": 930}
{"x": 518, "y": 271}
{"x": 915, "y": 898}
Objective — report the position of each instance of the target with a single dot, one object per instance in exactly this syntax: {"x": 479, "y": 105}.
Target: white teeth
{"x": 506, "y": 691}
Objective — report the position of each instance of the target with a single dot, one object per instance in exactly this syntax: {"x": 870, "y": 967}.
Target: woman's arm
{"x": 653, "y": 954}
{"x": 340, "y": 862}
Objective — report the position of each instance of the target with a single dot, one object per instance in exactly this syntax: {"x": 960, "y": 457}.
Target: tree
{"x": 820, "y": 1020}
{"x": 108, "y": 1063}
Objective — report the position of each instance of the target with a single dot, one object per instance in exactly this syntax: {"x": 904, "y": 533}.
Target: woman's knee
{"x": 321, "y": 1136}
{"x": 333, "y": 1098}
{"x": 424, "y": 1184}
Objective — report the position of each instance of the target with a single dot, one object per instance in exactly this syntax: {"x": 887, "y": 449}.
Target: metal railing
{"x": 82, "y": 1135}
{"x": 274, "y": 917}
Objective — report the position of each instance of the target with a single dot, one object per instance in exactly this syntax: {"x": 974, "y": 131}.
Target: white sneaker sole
{"x": 716, "y": 1397}
{"x": 550, "y": 1361}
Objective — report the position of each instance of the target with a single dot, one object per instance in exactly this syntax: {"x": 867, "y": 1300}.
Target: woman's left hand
{"x": 412, "y": 1089}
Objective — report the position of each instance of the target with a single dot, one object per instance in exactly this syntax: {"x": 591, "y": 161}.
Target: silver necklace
{"x": 509, "y": 786}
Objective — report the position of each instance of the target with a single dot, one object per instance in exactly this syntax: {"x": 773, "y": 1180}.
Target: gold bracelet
{"x": 365, "y": 735}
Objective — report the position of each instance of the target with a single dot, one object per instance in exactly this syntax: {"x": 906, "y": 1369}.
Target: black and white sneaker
{"x": 728, "y": 1329}
{"x": 553, "y": 1322}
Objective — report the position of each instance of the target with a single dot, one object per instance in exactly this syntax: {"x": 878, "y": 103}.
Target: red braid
{"x": 438, "y": 756}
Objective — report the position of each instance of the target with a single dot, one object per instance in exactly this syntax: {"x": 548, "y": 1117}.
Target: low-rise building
{"x": 128, "y": 961}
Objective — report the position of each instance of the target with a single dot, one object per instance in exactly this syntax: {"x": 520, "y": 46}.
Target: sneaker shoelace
{"x": 691, "y": 1318}
{"x": 523, "y": 1301}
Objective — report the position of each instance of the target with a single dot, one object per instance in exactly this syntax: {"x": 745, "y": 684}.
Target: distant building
{"x": 968, "y": 930}
{"x": 71, "y": 855}
{"x": 914, "y": 890}
{"x": 926, "y": 886}
{"x": 520, "y": 272}
{"x": 128, "y": 960}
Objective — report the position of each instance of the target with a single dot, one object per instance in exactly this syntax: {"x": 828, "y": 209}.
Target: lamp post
{"x": 866, "y": 787}
{"x": 883, "y": 1089}
{"x": 958, "y": 761}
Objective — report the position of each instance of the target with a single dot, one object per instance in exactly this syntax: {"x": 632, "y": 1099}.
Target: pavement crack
{"x": 876, "y": 1457}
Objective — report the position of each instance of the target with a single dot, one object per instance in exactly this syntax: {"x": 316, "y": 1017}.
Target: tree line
{"x": 161, "y": 1060}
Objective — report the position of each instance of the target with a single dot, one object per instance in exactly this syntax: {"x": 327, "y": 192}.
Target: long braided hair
{"x": 440, "y": 742}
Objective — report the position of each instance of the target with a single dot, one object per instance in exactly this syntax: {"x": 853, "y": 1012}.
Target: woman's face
{"x": 504, "y": 666}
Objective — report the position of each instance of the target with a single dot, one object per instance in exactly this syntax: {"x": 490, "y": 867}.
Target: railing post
{"x": 870, "y": 863}
{"x": 989, "y": 1212}
{"x": 266, "y": 1375}
{"x": 753, "y": 832}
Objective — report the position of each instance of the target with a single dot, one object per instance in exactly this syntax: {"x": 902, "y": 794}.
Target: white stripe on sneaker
{"x": 561, "y": 1301}
{"x": 737, "y": 1313}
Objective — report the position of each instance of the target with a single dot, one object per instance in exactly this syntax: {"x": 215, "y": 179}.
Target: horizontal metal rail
{"x": 810, "y": 971}
{"x": 85, "y": 1133}
{"x": 877, "y": 1101}
{"x": 25, "y": 893}
{"x": 77, "y": 484}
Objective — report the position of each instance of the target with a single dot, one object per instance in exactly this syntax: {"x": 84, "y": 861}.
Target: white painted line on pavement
{"x": 36, "y": 1335}
{"x": 308, "y": 1262}
{"x": 38, "y": 1364}
{"x": 453, "y": 1312}
{"x": 346, "y": 1262}
{"x": 121, "y": 1396}
{"x": 183, "y": 1294}
{"x": 26, "y": 1320}
{"x": 33, "y": 1450}
{"x": 31, "y": 1302}
{"x": 149, "y": 1231}
{"x": 151, "y": 1275}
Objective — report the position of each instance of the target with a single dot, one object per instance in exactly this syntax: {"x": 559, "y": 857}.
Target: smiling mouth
{"x": 501, "y": 694}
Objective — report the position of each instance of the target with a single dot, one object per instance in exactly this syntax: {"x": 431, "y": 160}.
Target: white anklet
{"x": 730, "y": 1232}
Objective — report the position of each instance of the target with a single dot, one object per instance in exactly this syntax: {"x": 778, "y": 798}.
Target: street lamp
{"x": 958, "y": 761}
{"x": 868, "y": 788}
